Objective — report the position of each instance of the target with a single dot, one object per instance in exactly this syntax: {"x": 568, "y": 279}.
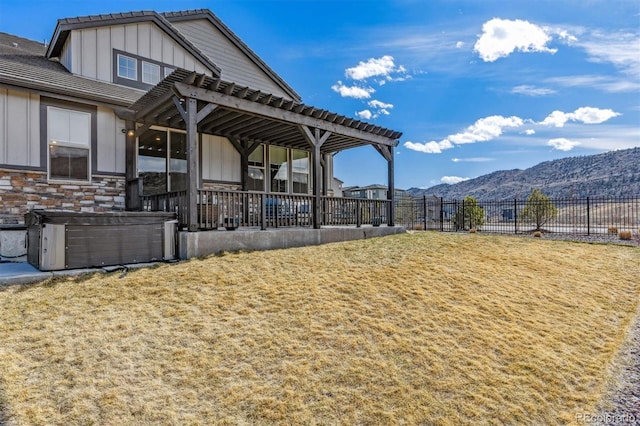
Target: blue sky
{"x": 475, "y": 86}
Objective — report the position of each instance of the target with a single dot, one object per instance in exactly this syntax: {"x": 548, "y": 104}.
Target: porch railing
{"x": 234, "y": 209}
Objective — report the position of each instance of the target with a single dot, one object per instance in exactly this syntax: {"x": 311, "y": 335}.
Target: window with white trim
{"x": 69, "y": 144}
{"x": 150, "y": 73}
{"x": 127, "y": 67}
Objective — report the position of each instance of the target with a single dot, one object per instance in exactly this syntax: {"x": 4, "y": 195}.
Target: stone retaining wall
{"x": 23, "y": 191}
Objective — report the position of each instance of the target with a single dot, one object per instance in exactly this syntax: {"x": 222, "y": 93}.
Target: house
{"x": 166, "y": 112}
{"x": 370, "y": 192}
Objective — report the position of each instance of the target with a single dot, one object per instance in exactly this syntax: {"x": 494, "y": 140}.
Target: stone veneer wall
{"x": 23, "y": 191}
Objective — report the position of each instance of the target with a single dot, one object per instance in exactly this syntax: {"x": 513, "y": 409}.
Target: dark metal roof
{"x": 190, "y": 15}
{"x": 41, "y": 74}
{"x": 66, "y": 25}
{"x": 248, "y": 114}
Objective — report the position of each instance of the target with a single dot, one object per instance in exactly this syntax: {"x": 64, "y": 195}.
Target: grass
{"x": 416, "y": 328}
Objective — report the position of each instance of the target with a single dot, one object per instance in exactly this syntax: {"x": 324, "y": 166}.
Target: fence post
{"x": 263, "y": 213}
{"x": 358, "y": 213}
{"x": 424, "y": 212}
{"x": 441, "y": 214}
{"x": 515, "y": 215}
{"x": 463, "y": 216}
{"x": 588, "y": 217}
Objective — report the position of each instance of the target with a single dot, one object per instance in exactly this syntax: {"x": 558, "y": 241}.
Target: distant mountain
{"x": 612, "y": 174}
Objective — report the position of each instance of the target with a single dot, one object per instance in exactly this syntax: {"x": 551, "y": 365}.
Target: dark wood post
{"x": 191, "y": 123}
{"x": 391, "y": 195}
{"x": 132, "y": 193}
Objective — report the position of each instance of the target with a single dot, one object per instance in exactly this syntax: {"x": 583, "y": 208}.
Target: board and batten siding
{"x": 89, "y": 52}
{"x": 111, "y": 142}
{"x": 19, "y": 128}
{"x": 220, "y": 160}
{"x": 234, "y": 64}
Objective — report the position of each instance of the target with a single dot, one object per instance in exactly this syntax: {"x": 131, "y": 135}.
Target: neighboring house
{"x": 370, "y": 192}
{"x": 158, "y": 111}
{"x": 336, "y": 187}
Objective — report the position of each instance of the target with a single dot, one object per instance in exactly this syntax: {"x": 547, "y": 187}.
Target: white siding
{"x": 65, "y": 55}
{"x": 111, "y": 142}
{"x": 89, "y": 52}
{"x": 235, "y": 65}
{"x": 220, "y": 160}
{"x": 19, "y": 128}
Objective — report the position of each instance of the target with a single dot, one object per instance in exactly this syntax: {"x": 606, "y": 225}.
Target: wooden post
{"x": 317, "y": 176}
{"x": 392, "y": 189}
{"x": 316, "y": 140}
{"x": 191, "y": 123}
{"x": 132, "y": 194}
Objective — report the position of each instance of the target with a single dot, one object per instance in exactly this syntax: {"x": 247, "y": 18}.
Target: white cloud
{"x": 472, "y": 160}
{"x": 352, "y": 91}
{"x": 429, "y": 147}
{"x": 380, "y": 105}
{"x": 586, "y": 115}
{"x": 562, "y": 144}
{"x": 365, "y": 114}
{"x": 459, "y": 45}
{"x": 532, "y": 90}
{"x": 529, "y": 132}
{"x": 606, "y": 83}
{"x": 452, "y": 179}
{"x": 485, "y": 129}
{"x": 620, "y": 49}
{"x": 501, "y": 37}
{"x": 380, "y": 67}
{"x": 589, "y": 115}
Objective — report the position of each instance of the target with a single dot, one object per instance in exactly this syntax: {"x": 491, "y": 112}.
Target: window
{"x": 256, "y": 170}
{"x": 69, "y": 142}
{"x": 300, "y": 171}
{"x": 136, "y": 71}
{"x": 278, "y": 169}
{"x": 127, "y": 67}
{"x": 150, "y": 73}
{"x": 162, "y": 161}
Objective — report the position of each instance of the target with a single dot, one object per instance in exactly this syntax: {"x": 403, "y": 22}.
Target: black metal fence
{"x": 579, "y": 216}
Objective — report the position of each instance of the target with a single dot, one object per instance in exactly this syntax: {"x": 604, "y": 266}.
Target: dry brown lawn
{"x": 418, "y": 328}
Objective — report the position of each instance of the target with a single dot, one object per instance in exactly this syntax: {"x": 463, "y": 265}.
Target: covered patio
{"x": 248, "y": 118}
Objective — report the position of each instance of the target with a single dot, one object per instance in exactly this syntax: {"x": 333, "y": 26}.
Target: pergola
{"x": 198, "y": 103}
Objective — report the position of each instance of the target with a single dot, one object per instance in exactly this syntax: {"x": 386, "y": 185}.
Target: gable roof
{"x": 190, "y": 15}
{"x": 66, "y": 25}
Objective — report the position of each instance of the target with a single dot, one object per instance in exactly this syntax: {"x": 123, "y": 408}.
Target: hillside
{"x": 612, "y": 174}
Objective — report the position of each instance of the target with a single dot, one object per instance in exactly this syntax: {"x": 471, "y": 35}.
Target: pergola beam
{"x": 277, "y": 114}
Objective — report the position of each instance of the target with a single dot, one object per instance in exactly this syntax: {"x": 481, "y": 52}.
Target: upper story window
{"x": 136, "y": 71}
{"x": 150, "y": 73}
{"x": 127, "y": 67}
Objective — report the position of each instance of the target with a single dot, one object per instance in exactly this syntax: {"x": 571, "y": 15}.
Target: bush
{"x": 539, "y": 209}
{"x": 625, "y": 235}
{"x": 612, "y": 230}
{"x": 537, "y": 234}
{"x": 473, "y": 230}
{"x": 469, "y": 215}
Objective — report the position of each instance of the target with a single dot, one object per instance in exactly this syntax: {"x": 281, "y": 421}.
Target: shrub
{"x": 539, "y": 209}
{"x": 537, "y": 234}
{"x": 625, "y": 235}
{"x": 612, "y": 230}
{"x": 473, "y": 230}
{"x": 468, "y": 215}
